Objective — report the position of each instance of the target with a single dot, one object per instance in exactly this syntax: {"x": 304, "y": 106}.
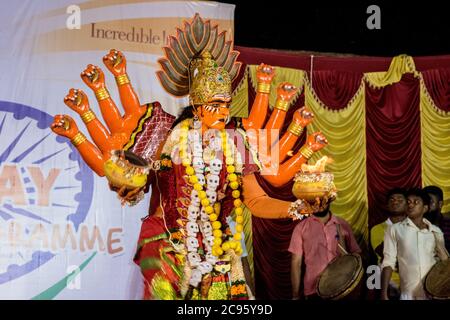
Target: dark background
{"x": 415, "y": 27}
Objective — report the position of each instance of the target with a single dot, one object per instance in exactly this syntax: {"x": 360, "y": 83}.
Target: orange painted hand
{"x": 94, "y": 77}
{"x": 286, "y": 91}
{"x": 303, "y": 116}
{"x": 65, "y": 126}
{"x": 117, "y": 141}
{"x": 115, "y": 62}
{"x": 77, "y": 101}
{"x": 265, "y": 73}
{"x": 127, "y": 195}
{"x": 316, "y": 141}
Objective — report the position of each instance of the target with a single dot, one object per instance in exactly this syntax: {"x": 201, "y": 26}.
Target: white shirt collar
{"x": 407, "y": 221}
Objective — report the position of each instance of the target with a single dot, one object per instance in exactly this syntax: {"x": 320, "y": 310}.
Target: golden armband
{"x": 282, "y": 105}
{"x": 263, "y": 87}
{"x": 295, "y": 128}
{"x": 102, "y": 94}
{"x": 306, "y": 152}
{"x": 122, "y": 79}
{"x": 88, "y": 116}
{"x": 78, "y": 139}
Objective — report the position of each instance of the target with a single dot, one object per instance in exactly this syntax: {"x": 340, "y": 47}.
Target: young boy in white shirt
{"x": 412, "y": 243}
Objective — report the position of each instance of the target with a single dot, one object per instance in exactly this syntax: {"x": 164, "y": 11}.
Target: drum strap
{"x": 341, "y": 240}
{"x": 439, "y": 247}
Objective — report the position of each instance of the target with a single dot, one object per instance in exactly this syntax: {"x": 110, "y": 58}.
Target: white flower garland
{"x": 204, "y": 203}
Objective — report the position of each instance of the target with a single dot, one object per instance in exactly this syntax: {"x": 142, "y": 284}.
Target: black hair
{"x": 401, "y": 191}
{"x": 418, "y": 192}
{"x": 435, "y": 190}
{"x": 187, "y": 113}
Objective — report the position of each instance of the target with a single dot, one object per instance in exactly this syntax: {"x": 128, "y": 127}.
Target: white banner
{"x": 63, "y": 234}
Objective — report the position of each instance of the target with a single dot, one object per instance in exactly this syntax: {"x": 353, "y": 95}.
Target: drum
{"x": 437, "y": 281}
{"x": 342, "y": 275}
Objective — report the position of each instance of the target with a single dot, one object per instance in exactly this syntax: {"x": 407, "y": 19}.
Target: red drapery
{"x": 392, "y": 133}
{"x": 393, "y": 141}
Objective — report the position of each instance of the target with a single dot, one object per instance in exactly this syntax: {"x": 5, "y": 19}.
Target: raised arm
{"x": 65, "y": 126}
{"x": 301, "y": 118}
{"x": 78, "y": 101}
{"x": 285, "y": 172}
{"x": 116, "y": 63}
{"x": 94, "y": 78}
{"x": 257, "y": 117}
{"x": 285, "y": 94}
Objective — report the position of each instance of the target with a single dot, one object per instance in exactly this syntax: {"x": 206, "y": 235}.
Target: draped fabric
{"x": 347, "y": 141}
{"x": 387, "y": 121}
{"x": 435, "y": 129}
{"x": 437, "y": 85}
{"x": 393, "y": 141}
{"x": 272, "y": 261}
{"x": 335, "y": 88}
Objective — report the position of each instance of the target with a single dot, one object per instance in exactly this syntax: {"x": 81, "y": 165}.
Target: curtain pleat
{"x": 393, "y": 141}
{"x": 388, "y": 125}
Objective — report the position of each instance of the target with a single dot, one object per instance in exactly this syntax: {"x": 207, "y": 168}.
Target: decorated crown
{"x": 207, "y": 80}
{"x": 199, "y": 61}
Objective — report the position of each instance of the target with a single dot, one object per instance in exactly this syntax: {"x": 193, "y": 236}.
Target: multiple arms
{"x": 272, "y": 152}
{"x": 118, "y": 128}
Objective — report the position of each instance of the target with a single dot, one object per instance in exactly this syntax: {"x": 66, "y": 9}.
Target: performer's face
{"x": 416, "y": 207}
{"x": 397, "y": 204}
{"x": 215, "y": 114}
{"x": 435, "y": 204}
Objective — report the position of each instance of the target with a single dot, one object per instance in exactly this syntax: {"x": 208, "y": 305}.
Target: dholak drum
{"x": 437, "y": 281}
{"x": 340, "y": 277}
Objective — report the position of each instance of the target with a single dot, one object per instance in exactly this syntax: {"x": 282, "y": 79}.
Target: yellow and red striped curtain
{"x": 385, "y": 129}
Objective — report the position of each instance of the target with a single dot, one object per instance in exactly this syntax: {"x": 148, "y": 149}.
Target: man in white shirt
{"x": 412, "y": 243}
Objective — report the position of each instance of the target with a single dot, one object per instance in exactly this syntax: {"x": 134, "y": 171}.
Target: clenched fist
{"x": 94, "y": 77}
{"x": 115, "y": 62}
{"x": 77, "y": 101}
{"x": 265, "y": 73}
{"x": 303, "y": 117}
{"x": 286, "y": 91}
{"x": 65, "y": 126}
{"x": 316, "y": 141}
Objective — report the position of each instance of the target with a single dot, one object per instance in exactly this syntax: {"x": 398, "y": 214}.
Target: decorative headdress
{"x": 199, "y": 62}
{"x": 207, "y": 80}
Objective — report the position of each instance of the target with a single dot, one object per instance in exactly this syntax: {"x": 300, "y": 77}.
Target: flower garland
{"x": 203, "y": 202}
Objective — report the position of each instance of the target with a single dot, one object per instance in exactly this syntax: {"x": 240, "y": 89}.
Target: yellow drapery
{"x": 239, "y": 104}
{"x": 347, "y": 126}
{"x": 399, "y": 66}
{"x": 346, "y": 134}
{"x": 435, "y": 144}
{"x": 293, "y": 76}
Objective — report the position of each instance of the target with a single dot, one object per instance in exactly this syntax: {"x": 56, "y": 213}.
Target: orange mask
{"x": 215, "y": 114}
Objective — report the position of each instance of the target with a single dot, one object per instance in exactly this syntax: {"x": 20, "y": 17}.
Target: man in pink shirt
{"x": 315, "y": 241}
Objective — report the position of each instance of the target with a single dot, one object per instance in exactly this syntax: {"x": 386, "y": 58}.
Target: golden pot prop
{"x": 314, "y": 188}
{"x": 126, "y": 169}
